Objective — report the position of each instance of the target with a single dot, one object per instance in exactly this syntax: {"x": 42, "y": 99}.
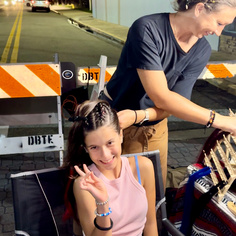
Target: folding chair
{"x": 38, "y": 201}
{"x": 160, "y": 193}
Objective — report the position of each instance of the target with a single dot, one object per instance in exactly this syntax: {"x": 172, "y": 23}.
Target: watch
{"x": 146, "y": 118}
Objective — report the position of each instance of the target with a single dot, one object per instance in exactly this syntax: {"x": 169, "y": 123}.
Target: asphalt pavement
{"x": 185, "y": 139}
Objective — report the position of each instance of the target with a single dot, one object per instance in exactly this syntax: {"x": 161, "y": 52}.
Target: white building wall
{"x": 125, "y": 12}
{"x": 113, "y": 11}
{"x": 133, "y": 9}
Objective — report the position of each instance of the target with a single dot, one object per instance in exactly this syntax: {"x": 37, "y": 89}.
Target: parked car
{"x": 40, "y": 5}
{"x": 27, "y": 3}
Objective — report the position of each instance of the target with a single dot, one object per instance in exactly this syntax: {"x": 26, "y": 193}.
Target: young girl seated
{"x": 110, "y": 194}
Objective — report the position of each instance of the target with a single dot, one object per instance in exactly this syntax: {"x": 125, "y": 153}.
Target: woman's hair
{"x": 211, "y": 5}
{"x": 89, "y": 116}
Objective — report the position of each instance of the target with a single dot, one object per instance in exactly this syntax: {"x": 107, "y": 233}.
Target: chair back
{"x": 38, "y": 201}
{"x": 154, "y": 156}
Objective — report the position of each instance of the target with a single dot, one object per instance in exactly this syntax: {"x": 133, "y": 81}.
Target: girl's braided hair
{"x": 89, "y": 116}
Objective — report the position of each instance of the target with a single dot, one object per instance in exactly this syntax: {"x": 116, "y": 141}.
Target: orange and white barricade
{"x": 97, "y": 76}
{"x": 29, "y": 95}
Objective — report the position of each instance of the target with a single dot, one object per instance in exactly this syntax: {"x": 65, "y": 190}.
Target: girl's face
{"x": 104, "y": 147}
{"x": 213, "y": 22}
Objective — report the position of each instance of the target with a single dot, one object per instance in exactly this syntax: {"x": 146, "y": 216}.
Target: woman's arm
{"x": 129, "y": 117}
{"x": 148, "y": 182}
{"x": 155, "y": 85}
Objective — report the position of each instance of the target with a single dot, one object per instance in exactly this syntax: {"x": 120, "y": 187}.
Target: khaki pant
{"x": 148, "y": 138}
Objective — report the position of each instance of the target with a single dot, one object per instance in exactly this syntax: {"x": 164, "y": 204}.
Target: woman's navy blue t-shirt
{"x": 151, "y": 45}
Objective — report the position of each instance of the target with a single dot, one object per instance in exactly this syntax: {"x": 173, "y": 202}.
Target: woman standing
{"x": 161, "y": 60}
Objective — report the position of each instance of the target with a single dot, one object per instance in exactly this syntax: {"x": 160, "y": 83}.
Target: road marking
{"x": 14, "y": 54}
{"x": 10, "y": 39}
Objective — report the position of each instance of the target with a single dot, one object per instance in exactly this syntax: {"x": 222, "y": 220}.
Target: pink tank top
{"x": 128, "y": 201}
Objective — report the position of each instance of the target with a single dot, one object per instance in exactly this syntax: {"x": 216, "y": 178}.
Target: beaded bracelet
{"x": 102, "y": 228}
{"x": 135, "y": 117}
{"x": 103, "y": 214}
{"x": 102, "y": 203}
{"x": 211, "y": 120}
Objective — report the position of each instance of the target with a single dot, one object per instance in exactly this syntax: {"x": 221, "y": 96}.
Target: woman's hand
{"x": 126, "y": 118}
{"x": 89, "y": 182}
{"x": 225, "y": 123}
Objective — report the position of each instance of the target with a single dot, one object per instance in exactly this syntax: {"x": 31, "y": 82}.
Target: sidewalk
{"x": 85, "y": 20}
{"x": 185, "y": 139}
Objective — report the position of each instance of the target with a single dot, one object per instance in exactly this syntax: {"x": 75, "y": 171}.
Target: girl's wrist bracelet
{"x": 102, "y": 228}
{"x": 102, "y": 203}
{"x": 103, "y": 214}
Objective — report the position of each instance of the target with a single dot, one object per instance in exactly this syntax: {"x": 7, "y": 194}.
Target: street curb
{"x": 91, "y": 29}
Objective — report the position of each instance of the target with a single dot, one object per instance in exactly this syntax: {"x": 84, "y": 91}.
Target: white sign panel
{"x": 30, "y": 144}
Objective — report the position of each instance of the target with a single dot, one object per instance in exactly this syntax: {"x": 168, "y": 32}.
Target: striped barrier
{"x": 32, "y": 80}
{"x": 221, "y": 70}
{"x": 91, "y": 75}
{"x": 211, "y": 71}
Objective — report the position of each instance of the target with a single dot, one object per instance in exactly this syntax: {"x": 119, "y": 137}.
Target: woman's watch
{"x": 146, "y": 118}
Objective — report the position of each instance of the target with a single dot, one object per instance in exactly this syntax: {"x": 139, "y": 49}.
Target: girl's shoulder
{"x": 144, "y": 163}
